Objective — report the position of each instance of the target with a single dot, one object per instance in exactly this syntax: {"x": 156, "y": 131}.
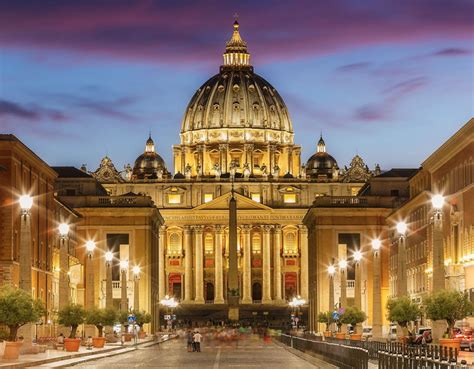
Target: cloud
{"x": 353, "y": 67}
{"x": 452, "y": 51}
{"x": 195, "y": 32}
{"x": 14, "y": 110}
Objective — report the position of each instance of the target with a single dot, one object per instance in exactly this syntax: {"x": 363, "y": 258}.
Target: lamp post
{"x": 342, "y": 269}
{"x": 402, "y": 266}
{"x": 296, "y": 304}
{"x": 377, "y": 290}
{"x": 109, "y": 299}
{"x": 438, "y": 282}
{"x": 331, "y": 272}
{"x": 170, "y": 303}
{"x": 123, "y": 285}
{"x": 63, "y": 265}
{"x": 357, "y": 256}
{"x": 90, "y": 295}
{"x": 26, "y": 203}
{"x": 136, "y": 280}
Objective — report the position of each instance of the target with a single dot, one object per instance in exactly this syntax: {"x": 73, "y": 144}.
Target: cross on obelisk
{"x": 233, "y": 292}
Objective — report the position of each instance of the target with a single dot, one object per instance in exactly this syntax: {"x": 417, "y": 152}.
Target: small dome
{"x": 321, "y": 164}
{"x": 149, "y": 165}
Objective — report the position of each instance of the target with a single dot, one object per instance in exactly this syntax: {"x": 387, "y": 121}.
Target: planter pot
{"x": 455, "y": 343}
{"x": 12, "y": 350}
{"x": 356, "y": 336}
{"x": 72, "y": 344}
{"x": 141, "y": 335}
{"x": 340, "y": 336}
{"x": 98, "y": 342}
{"x": 127, "y": 337}
{"x": 327, "y": 333}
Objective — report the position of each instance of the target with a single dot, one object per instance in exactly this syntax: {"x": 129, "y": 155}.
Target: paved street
{"x": 250, "y": 353}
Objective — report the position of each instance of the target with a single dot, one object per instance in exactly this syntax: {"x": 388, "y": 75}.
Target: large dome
{"x": 321, "y": 165}
{"x": 236, "y": 104}
{"x": 149, "y": 165}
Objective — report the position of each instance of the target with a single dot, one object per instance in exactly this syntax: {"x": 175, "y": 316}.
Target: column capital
{"x": 198, "y": 229}
{"x": 267, "y": 228}
{"x": 277, "y": 228}
{"x": 218, "y": 228}
{"x": 302, "y": 228}
{"x": 223, "y": 147}
{"x": 187, "y": 229}
{"x": 248, "y": 147}
{"x": 162, "y": 229}
{"x": 246, "y": 228}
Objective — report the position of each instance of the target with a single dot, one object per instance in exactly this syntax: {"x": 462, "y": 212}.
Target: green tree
{"x": 101, "y": 318}
{"x": 123, "y": 319}
{"x": 449, "y": 306}
{"x": 353, "y": 316}
{"x": 402, "y": 311}
{"x": 71, "y": 316}
{"x": 325, "y": 318}
{"x": 142, "y": 317}
{"x": 17, "y": 308}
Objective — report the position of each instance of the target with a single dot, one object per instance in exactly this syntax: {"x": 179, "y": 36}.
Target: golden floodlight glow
{"x": 90, "y": 245}
{"x": 343, "y": 264}
{"x": 331, "y": 269}
{"x": 357, "y": 255}
{"x": 136, "y": 270}
{"x": 437, "y": 201}
{"x": 109, "y": 256}
{"x": 124, "y": 264}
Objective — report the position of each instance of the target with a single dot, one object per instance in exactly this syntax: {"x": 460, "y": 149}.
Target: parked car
{"x": 467, "y": 339}
{"x": 423, "y": 336}
{"x": 366, "y": 332}
{"x": 392, "y": 333}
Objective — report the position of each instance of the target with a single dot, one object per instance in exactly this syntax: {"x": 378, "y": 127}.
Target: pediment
{"x": 222, "y": 202}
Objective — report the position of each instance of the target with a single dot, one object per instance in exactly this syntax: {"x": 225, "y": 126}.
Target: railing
{"x": 355, "y": 201}
{"x": 351, "y": 283}
{"x": 396, "y": 356}
{"x": 108, "y": 201}
{"x": 344, "y": 357}
{"x": 372, "y": 347}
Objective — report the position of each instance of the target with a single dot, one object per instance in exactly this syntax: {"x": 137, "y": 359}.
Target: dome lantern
{"x": 236, "y": 54}
{"x": 150, "y": 145}
{"x": 321, "y": 147}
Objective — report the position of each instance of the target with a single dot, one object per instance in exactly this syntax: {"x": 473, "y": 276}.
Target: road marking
{"x": 218, "y": 358}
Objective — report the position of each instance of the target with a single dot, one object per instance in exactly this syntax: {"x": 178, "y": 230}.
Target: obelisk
{"x": 233, "y": 292}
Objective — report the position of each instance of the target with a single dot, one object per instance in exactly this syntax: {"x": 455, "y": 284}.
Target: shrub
{"x": 142, "y": 318}
{"x": 17, "y": 308}
{"x": 71, "y": 316}
{"x": 402, "y": 311}
{"x": 101, "y": 318}
{"x": 325, "y": 318}
{"x": 353, "y": 316}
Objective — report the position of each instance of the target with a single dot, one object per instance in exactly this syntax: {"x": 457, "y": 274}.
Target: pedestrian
{"x": 197, "y": 341}
{"x": 190, "y": 340}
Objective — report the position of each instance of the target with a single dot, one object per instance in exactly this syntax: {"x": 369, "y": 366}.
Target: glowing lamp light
{"x": 109, "y": 256}
{"x": 136, "y": 270}
{"x": 90, "y": 245}
{"x": 437, "y": 201}
{"x": 357, "y": 255}
{"x": 402, "y": 228}
{"x": 63, "y": 229}
{"x": 331, "y": 269}
{"x": 376, "y": 244}
{"x": 26, "y": 202}
{"x": 343, "y": 264}
{"x": 124, "y": 264}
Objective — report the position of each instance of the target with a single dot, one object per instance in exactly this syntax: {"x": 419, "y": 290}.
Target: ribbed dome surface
{"x": 236, "y": 98}
{"x": 147, "y": 165}
{"x": 321, "y": 163}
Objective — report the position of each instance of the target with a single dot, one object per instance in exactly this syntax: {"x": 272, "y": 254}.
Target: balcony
{"x": 356, "y": 201}
{"x": 350, "y": 288}
{"x": 117, "y": 291}
{"x": 108, "y": 201}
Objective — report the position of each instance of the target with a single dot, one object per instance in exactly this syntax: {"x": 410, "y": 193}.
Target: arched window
{"x": 174, "y": 247}
{"x": 208, "y": 244}
{"x": 256, "y": 244}
{"x": 290, "y": 246}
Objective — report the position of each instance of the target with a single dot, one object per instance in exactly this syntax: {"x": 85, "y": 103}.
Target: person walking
{"x": 197, "y": 341}
{"x": 190, "y": 341}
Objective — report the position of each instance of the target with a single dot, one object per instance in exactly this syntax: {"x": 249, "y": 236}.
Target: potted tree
{"x": 100, "y": 318}
{"x": 326, "y": 319}
{"x": 403, "y": 311}
{"x": 123, "y": 319}
{"x": 449, "y": 306}
{"x": 71, "y": 316}
{"x": 354, "y": 316}
{"x": 17, "y": 308}
{"x": 142, "y": 318}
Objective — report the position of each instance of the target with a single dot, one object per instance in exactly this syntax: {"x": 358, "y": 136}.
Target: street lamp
{"x": 376, "y": 245}
{"x": 402, "y": 267}
{"x": 377, "y": 290}
{"x": 402, "y": 228}
{"x": 26, "y": 203}
{"x": 437, "y": 201}
{"x": 123, "y": 298}
{"x": 342, "y": 269}
{"x": 296, "y": 304}
{"x": 63, "y": 231}
{"x": 170, "y": 303}
{"x": 331, "y": 272}
{"x": 109, "y": 302}
{"x": 357, "y": 255}
{"x": 136, "y": 297}
{"x": 64, "y": 294}
{"x": 90, "y": 246}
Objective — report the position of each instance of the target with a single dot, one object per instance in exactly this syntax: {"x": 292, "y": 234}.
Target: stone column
{"x": 402, "y": 268}
{"x": 183, "y": 160}
{"x": 303, "y": 236}
{"x": 331, "y": 292}
{"x": 109, "y": 301}
{"x": 277, "y": 263}
{"x": 439, "y": 280}
{"x": 266, "y": 288}
{"x": 246, "y": 265}
{"x": 357, "y": 286}
{"x": 136, "y": 292}
{"x": 123, "y": 290}
{"x": 377, "y": 296}
{"x": 219, "y": 270}
{"x": 161, "y": 263}
{"x": 188, "y": 265}
{"x": 64, "y": 295}
{"x": 199, "y": 275}
{"x": 25, "y": 253}
{"x": 90, "y": 285}
{"x": 290, "y": 160}
{"x": 223, "y": 155}
{"x": 343, "y": 287}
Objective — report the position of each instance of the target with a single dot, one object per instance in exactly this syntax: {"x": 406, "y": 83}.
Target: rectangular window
{"x": 255, "y": 197}
{"x": 289, "y": 198}
{"x": 174, "y": 198}
{"x": 208, "y": 197}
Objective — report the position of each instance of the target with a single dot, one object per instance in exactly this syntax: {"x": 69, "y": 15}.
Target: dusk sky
{"x": 389, "y": 80}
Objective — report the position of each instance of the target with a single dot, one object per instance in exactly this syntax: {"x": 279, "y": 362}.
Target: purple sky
{"x": 390, "y": 80}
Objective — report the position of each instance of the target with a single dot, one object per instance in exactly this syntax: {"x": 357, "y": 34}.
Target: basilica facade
{"x": 236, "y": 133}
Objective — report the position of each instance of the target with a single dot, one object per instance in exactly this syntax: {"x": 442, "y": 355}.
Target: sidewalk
{"x": 59, "y": 358}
